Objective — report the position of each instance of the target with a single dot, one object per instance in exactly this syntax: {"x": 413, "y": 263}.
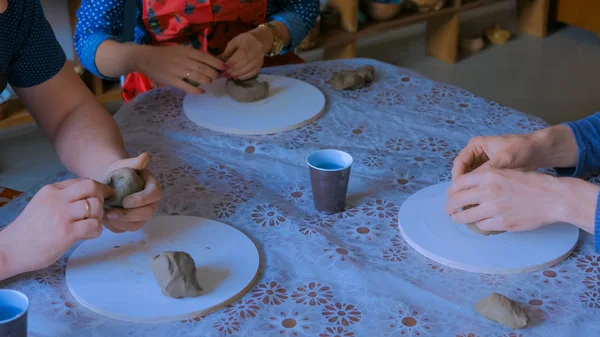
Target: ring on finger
{"x": 88, "y": 209}
{"x": 188, "y": 80}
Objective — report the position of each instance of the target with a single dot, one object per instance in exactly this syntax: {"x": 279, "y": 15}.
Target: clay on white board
{"x": 175, "y": 273}
{"x": 247, "y": 91}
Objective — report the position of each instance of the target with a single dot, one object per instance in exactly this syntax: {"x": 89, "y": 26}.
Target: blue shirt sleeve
{"x": 37, "y": 55}
{"x": 299, "y": 16}
{"x": 98, "y": 21}
{"x": 597, "y": 226}
{"x": 587, "y": 136}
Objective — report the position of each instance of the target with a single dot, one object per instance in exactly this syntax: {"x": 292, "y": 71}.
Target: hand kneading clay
{"x": 503, "y": 310}
{"x": 474, "y": 228}
{"x": 175, "y": 273}
{"x": 250, "y": 90}
{"x": 124, "y": 181}
{"x": 352, "y": 79}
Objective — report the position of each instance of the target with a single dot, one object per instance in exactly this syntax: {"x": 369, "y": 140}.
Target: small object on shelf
{"x": 383, "y": 10}
{"x": 497, "y": 35}
{"x": 472, "y": 44}
{"x": 427, "y": 5}
{"x": 310, "y": 41}
{"x": 330, "y": 19}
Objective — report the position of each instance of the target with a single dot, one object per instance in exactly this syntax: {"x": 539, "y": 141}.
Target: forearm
{"x": 555, "y": 147}
{"x": 265, "y": 36}
{"x": 577, "y": 204}
{"x": 115, "y": 59}
{"x": 8, "y": 266}
{"x": 88, "y": 141}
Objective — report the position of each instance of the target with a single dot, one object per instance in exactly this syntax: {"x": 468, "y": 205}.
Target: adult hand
{"x": 511, "y": 151}
{"x": 555, "y": 146}
{"x": 138, "y": 207}
{"x": 170, "y": 65}
{"x": 57, "y": 217}
{"x": 510, "y": 200}
{"x": 245, "y": 56}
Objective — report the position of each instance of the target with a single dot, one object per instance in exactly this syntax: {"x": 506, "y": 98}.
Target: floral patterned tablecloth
{"x": 346, "y": 275}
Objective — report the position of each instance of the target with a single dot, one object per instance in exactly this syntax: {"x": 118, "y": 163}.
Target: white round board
{"x": 291, "y": 104}
{"x": 427, "y": 228}
{"x": 111, "y": 275}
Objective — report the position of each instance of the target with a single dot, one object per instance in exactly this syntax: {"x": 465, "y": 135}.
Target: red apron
{"x": 206, "y": 25}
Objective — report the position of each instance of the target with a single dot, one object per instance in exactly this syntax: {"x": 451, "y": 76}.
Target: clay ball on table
{"x": 352, "y": 79}
{"x": 503, "y": 310}
{"x": 247, "y": 91}
{"x": 175, "y": 273}
{"x": 124, "y": 182}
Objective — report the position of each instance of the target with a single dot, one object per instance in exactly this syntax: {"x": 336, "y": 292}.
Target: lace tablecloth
{"x": 345, "y": 275}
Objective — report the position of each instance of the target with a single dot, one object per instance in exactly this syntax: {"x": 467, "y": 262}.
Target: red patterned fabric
{"x": 205, "y": 25}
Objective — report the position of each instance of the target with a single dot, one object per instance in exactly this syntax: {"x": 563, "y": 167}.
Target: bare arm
{"x": 84, "y": 134}
{"x": 115, "y": 59}
{"x": 556, "y": 147}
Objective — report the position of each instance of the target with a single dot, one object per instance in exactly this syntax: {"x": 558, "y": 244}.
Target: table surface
{"x": 344, "y": 275}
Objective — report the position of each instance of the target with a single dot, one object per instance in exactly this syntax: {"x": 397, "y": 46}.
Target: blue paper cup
{"x": 329, "y": 177}
{"x": 13, "y": 313}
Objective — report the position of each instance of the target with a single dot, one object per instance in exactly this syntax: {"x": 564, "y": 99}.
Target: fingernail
{"x": 113, "y": 215}
{"x": 224, "y": 66}
{"x": 236, "y": 79}
{"x": 202, "y": 91}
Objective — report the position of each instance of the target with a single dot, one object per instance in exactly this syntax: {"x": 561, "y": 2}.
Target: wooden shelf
{"x": 15, "y": 115}
{"x": 443, "y": 28}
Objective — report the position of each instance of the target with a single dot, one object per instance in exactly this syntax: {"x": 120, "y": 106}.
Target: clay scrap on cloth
{"x": 175, "y": 273}
{"x": 247, "y": 91}
{"x": 474, "y": 228}
{"x": 124, "y": 182}
{"x": 352, "y": 79}
{"x": 503, "y": 310}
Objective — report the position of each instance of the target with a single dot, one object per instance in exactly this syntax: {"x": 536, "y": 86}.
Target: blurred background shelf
{"x": 443, "y": 26}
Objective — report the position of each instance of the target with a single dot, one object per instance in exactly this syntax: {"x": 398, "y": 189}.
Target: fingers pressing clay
{"x": 474, "y": 228}
{"x": 250, "y": 90}
{"x": 124, "y": 181}
{"x": 503, "y": 310}
{"x": 352, "y": 79}
{"x": 175, "y": 273}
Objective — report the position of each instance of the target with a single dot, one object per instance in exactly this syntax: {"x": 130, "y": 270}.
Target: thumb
{"x": 138, "y": 163}
{"x": 229, "y": 50}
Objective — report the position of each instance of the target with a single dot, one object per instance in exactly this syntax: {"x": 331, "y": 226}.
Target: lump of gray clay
{"x": 175, "y": 273}
{"x": 124, "y": 182}
{"x": 250, "y": 90}
{"x": 352, "y": 79}
{"x": 473, "y": 227}
{"x": 503, "y": 310}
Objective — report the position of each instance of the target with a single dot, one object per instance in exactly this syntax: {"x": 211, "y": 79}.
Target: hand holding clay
{"x": 247, "y": 91}
{"x": 554, "y": 146}
{"x": 124, "y": 182}
{"x": 503, "y": 310}
{"x": 509, "y": 200}
{"x": 245, "y": 56}
{"x": 139, "y": 206}
{"x": 175, "y": 273}
{"x": 57, "y": 217}
{"x": 352, "y": 79}
{"x": 473, "y": 226}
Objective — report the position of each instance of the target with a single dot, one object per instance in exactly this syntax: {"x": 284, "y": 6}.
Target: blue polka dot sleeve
{"x": 98, "y": 21}
{"x": 37, "y": 56}
{"x": 299, "y": 16}
{"x": 101, "y": 20}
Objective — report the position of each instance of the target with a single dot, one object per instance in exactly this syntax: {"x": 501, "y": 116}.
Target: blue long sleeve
{"x": 101, "y": 20}
{"x": 299, "y": 16}
{"x": 587, "y": 136}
